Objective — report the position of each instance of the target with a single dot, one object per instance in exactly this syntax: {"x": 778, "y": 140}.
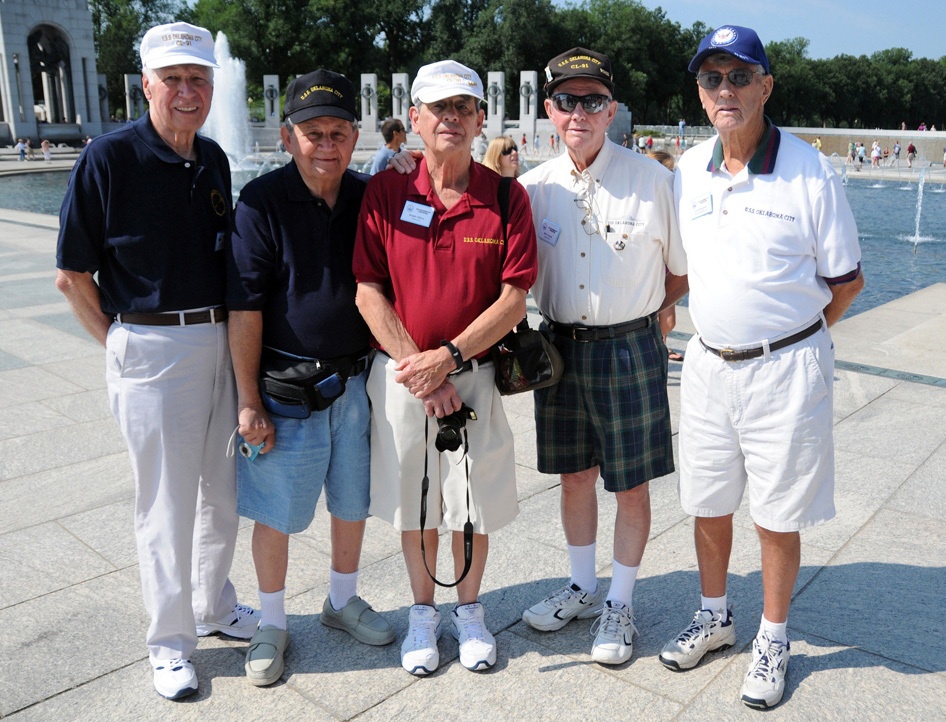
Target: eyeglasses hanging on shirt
{"x": 590, "y": 223}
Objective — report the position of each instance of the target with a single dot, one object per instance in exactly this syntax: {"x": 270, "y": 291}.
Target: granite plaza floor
{"x": 868, "y": 623}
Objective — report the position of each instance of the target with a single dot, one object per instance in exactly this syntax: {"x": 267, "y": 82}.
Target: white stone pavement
{"x": 868, "y": 624}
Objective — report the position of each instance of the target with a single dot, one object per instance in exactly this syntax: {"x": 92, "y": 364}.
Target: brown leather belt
{"x": 599, "y": 333}
{"x": 728, "y": 354}
{"x": 214, "y": 315}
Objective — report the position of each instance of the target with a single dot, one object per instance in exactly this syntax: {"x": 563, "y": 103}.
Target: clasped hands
{"x": 424, "y": 374}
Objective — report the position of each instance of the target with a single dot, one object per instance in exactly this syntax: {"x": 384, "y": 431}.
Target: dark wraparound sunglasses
{"x": 740, "y": 77}
{"x": 507, "y": 151}
{"x": 591, "y": 104}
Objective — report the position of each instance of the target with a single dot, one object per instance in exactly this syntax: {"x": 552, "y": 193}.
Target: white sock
{"x": 273, "y": 609}
{"x": 778, "y": 632}
{"x": 341, "y": 588}
{"x": 718, "y": 605}
{"x": 622, "y": 583}
{"x": 582, "y": 561}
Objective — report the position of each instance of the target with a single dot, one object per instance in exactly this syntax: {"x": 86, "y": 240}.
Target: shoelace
{"x": 764, "y": 668}
{"x": 473, "y": 629}
{"x": 562, "y": 595}
{"x": 173, "y": 664}
{"x": 610, "y": 623}
{"x": 699, "y": 627}
{"x": 242, "y": 610}
{"x": 422, "y": 631}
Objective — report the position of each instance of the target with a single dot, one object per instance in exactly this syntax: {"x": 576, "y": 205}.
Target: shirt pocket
{"x": 626, "y": 255}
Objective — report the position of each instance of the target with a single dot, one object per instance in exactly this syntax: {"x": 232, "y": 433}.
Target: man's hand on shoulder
{"x": 404, "y": 161}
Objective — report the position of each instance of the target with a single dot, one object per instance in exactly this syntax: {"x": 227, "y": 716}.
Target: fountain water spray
{"x": 229, "y": 119}
{"x": 919, "y": 207}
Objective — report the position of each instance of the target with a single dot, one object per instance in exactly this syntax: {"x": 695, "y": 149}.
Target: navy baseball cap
{"x": 734, "y": 40}
{"x": 318, "y": 94}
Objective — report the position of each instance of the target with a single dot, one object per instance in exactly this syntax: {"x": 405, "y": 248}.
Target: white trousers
{"x": 172, "y": 391}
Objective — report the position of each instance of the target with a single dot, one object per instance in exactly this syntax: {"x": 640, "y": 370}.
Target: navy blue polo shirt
{"x": 291, "y": 259}
{"x": 153, "y": 225}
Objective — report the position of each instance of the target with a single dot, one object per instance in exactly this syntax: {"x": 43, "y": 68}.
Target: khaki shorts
{"x": 397, "y": 456}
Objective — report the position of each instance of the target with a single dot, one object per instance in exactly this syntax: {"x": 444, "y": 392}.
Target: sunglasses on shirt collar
{"x": 591, "y": 104}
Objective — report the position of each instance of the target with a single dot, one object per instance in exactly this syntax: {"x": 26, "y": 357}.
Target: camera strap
{"x": 467, "y": 528}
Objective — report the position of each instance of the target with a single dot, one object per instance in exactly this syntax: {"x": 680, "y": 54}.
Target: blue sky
{"x": 833, "y": 27}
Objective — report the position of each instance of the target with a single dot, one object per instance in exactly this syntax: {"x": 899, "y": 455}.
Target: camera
{"x": 250, "y": 451}
{"x": 449, "y": 437}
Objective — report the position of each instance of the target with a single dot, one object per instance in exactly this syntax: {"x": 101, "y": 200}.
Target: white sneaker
{"x": 174, "y": 678}
{"x": 559, "y": 608}
{"x": 706, "y": 633}
{"x": 241, "y": 623}
{"x": 765, "y": 680}
{"x": 477, "y": 645}
{"x": 419, "y": 653}
{"x": 615, "y": 634}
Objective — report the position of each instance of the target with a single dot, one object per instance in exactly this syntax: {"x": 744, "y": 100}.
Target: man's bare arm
{"x": 842, "y": 295}
{"x": 82, "y": 293}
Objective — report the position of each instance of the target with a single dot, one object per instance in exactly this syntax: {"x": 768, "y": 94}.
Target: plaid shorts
{"x": 609, "y": 410}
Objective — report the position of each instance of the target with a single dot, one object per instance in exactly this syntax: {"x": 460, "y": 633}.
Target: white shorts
{"x": 397, "y": 456}
{"x": 765, "y": 422}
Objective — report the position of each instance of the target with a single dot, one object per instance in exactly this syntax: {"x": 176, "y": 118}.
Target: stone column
{"x": 369, "y": 102}
{"x": 401, "y": 98}
{"x": 529, "y": 99}
{"x": 495, "y": 103}
{"x": 134, "y": 97}
{"x": 272, "y": 104}
{"x": 102, "y": 95}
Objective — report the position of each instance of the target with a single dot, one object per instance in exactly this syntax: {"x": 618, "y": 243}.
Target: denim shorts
{"x": 331, "y": 448}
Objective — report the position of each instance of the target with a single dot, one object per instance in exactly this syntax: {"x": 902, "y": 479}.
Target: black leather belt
{"x": 214, "y": 315}
{"x": 728, "y": 354}
{"x": 357, "y": 366}
{"x": 599, "y": 333}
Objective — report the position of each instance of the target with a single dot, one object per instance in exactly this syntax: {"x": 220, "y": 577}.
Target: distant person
{"x": 896, "y": 152}
{"x": 524, "y": 144}
{"x": 394, "y": 135}
{"x": 903, "y": 125}
{"x": 46, "y": 147}
{"x": 767, "y": 276}
{"x": 502, "y": 156}
{"x": 535, "y": 144}
{"x": 143, "y": 231}
{"x": 817, "y": 144}
{"x": 681, "y": 127}
{"x": 30, "y": 151}
{"x": 911, "y": 154}
{"x": 922, "y": 127}
{"x": 20, "y": 148}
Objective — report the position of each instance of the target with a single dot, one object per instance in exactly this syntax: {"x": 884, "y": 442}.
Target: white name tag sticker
{"x": 702, "y": 206}
{"x": 549, "y": 232}
{"x": 417, "y": 213}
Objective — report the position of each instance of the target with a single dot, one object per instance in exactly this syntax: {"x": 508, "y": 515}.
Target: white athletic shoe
{"x": 614, "y": 633}
{"x": 419, "y": 653}
{"x": 562, "y": 606}
{"x": 477, "y": 645}
{"x": 706, "y": 633}
{"x": 765, "y": 680}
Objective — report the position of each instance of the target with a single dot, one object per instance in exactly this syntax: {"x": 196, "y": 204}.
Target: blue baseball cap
{"x": 734, "y": 40}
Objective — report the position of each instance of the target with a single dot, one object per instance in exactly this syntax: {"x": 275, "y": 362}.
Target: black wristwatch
{"x": 455, "y": 352}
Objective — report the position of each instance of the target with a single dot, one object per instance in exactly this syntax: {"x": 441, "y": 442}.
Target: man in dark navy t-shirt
{"x": 291, "y": 297}
{"x": 148, "y": 210}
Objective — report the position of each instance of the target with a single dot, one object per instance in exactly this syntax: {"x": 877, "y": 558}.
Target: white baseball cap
{"x": 177, "y": 44}
{"x": 444, "y": 80}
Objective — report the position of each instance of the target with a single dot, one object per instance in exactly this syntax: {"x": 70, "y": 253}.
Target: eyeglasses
{"x": 740, "y": 77}
{"x": 589, "y": 224}
{"x": 507, "y": 151}
{"x": 591, "y": 104}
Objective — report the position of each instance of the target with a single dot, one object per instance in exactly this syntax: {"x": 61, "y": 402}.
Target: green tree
{"x": 117, "y": 29}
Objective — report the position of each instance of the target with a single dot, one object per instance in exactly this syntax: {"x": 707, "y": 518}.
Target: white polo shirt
{"x": 761, "y": 244}
{"x": 614, "y": 272}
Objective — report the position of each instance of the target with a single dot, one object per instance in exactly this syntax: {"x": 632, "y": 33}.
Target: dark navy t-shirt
{"x": 292, "y": 259}
{"x": 153, "y": 225}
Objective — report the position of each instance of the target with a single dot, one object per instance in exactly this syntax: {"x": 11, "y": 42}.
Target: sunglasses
{"x": 740, "y": 77}
{"x": 507, "y": 151}
{"x": 591, "y": 104}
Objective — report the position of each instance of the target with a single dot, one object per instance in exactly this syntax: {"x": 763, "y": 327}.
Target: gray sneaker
{"x": 765, "y": 680}
{"x": 562, "y": 606}
{"x": 359, "y": 620}
{"x": 706, "y": 633}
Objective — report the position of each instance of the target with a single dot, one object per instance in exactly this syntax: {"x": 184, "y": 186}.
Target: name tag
{"x": 218, "y": 244}
{"x": 549, "y": 232}
{"x": 702, "y": 206}
{"x": 417, "y": 213}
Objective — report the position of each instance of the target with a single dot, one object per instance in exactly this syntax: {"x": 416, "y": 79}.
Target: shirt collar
{"x": 762, "y": 161}
{"x": 597, "y": 169}
{"x": 479, "y": 192}
{"x": 145, "y": 130}
{"x": 298, "y": 192}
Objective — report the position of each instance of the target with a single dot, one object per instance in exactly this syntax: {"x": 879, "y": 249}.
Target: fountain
{"x": 229, "y": 121}
{"x": 919, "y": 207}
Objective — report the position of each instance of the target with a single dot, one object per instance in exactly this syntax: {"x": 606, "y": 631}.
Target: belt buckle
{"x": 728, "y": 354}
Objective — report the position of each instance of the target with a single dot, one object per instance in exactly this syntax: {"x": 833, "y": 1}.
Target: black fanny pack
{"x": 294, "y": 387}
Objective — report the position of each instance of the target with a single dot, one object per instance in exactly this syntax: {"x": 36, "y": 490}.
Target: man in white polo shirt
{"x": 606, "y": 236}
{"x": 773, "y": 261}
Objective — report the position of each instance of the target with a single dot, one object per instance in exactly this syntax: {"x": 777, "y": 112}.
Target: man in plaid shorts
{"x": 607, "y": 236}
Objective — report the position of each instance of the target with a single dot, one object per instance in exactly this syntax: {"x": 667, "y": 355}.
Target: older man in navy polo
{"x": 148, "y": 209}
{"x": 292, "y": 298}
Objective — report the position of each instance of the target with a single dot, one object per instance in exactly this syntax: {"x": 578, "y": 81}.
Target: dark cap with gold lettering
{"x": 578, "y": 63}
{"x": 320, "y": 93}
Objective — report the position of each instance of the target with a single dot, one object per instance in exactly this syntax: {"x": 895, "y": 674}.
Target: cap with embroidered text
{"x": 445, "y": 79}
{"x": 740, "y": 42}
{"x": 320, "y": 93}
{"x": 177, "y": 44}
{"x": 578, "y": 63}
